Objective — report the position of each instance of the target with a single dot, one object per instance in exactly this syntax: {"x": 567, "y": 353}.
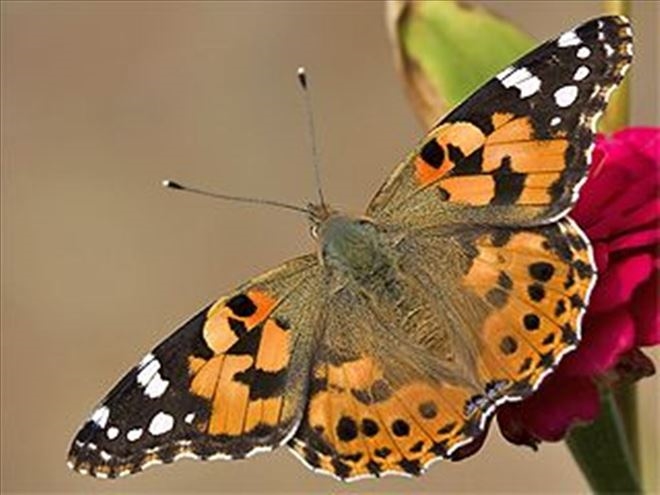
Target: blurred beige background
{"x": 102, "y": 100}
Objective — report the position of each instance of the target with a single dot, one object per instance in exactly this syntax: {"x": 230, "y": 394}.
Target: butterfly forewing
{"x": 229, "y": 382}
{"x": 516, "y": 151}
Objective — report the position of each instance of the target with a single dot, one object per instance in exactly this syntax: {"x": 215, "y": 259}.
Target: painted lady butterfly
{"x": 461, "y": 287}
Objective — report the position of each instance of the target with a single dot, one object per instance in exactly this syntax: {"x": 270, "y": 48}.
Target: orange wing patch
{"x": 274, "y": 340}
{"x": 243, "y": 380}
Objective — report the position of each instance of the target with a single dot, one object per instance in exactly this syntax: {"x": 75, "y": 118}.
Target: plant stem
{"x": 626, "y": 399}
{"x": 602, "y": 452}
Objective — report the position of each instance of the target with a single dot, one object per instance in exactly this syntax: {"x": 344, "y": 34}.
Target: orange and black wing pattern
{"x": 361, "y": 421}
{"x": 397, "y": 384}
{"x": 517, "y": 150}
{"x": 222, "y": 386}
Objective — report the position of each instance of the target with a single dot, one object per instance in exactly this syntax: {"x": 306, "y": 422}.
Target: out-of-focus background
{"x": 102, "y": 100}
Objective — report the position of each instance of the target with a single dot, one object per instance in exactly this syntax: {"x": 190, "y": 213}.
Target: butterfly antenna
{"x": 179, "y": 187}
{"x": 302, "y": 79}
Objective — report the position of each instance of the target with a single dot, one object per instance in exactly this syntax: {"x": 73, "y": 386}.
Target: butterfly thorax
{"x": 353, "y": 250}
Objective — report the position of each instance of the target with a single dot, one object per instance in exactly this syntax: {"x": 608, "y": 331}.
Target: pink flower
{"x": 619, "y": 210}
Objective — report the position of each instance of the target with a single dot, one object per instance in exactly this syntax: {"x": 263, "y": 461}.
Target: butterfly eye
{"x": 366, "y": 224}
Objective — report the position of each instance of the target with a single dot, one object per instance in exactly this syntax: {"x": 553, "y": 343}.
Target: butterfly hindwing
{"x": 410, "y": 370}
{"x": 222, "y": 386}
{"x": 533, "y": 286}
{"x": 383, "y": 403}
{"x": 517, "y": 150}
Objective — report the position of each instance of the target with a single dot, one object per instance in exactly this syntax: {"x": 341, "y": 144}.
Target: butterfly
{"x": 460, "y": 288}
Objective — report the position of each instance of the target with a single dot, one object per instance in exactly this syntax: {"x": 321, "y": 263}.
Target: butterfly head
{"x": 317, "y": 215}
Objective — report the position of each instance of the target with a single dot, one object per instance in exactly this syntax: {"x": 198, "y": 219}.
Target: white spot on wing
{"x": 100, "y": 416}
{"x": 218, "y": 455}
{"x": 189, "y": 418}
{"x": 522, "y": 79}
{"x": 134, "y": 434}
{"x": 581, "y": 73}
{"x": 161, "y": 423}
{"x": 569, "y": 38}
{"x": 529, "y": 86}
{"x": 105, "y": 455}
{"x": 146, "y": 360}
{"x": 609, "y": 51}
{"x": 566, "y": 96}
{"x": 583, "y": 52}
{"x": 156, "y": 386}
{"x": 112, "y": 432}
{"x": 555, "y": 121}
{"x": 151, "y": 462}
{"x": 147, "y": 372}
{"x": 186, "y": 455}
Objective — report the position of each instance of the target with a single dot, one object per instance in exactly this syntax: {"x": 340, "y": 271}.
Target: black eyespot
{"x": 531, "y": 321}
{"x": 347, "y": 429}
{"x": 400, "y": 428}
{"x": 541, "y": 271}
{"x": 432, "y": 153}
{"x": 242, "y": 306}
{"x": 369, "y": 427}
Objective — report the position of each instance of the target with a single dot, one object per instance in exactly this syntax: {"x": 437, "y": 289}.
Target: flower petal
{"x": 641, "y": 238}
{"x": 617, "y": 284}
{"x": 645, "y": 312}
{"x": 606, "y": 337}
{"x": 548, "y": 414}
{"x": 644, "y": 140}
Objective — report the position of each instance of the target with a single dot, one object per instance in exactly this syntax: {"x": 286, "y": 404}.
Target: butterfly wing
{"x": 229, "y": 382}
{"x": 517, "y": 150}
{"x": 382, "y": 398}
{"x": 411, "y": 370}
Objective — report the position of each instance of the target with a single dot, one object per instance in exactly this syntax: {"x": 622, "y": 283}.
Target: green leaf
{"x": 445, "y": 50}
{"x": 601, "y": 450}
